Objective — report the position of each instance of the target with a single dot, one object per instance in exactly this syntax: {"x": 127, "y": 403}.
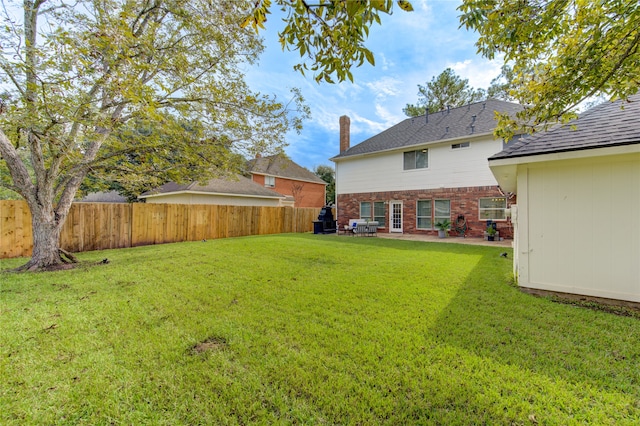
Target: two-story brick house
{"x": 268, "y": 181}
{"x": 285, "y": 177}
{"x": 424, "y": 170}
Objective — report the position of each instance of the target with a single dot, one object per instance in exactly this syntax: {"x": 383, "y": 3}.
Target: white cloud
{"x": 384, "y": 87}
{"x": 478, "y": 71}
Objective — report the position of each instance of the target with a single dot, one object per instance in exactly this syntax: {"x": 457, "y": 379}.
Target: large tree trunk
{"x": 47, "y": 253}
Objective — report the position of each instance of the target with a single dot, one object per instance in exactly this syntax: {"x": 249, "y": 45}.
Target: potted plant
{"x": 491, "y": 233}
{"x": 443, "y": 226}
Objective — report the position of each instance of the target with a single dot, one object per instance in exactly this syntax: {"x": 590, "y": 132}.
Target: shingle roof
{"x": 237, "y": 185}
{"x": 473, "y": 119}
{"x": 281, "y": 166}
{"x": 608, "y": 124}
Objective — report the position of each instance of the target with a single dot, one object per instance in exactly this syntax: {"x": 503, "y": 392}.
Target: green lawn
{"x": 306, "y": 329}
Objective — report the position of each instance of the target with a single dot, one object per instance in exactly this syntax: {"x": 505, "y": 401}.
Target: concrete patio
{"x": 435, "y": 239}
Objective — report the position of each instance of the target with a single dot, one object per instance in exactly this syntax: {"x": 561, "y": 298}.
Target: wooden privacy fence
{"x": 98, "y": 226}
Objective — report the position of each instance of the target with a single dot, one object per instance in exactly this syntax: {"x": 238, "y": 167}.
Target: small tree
{"x": 327, "y": 174}
{"x": 447, "y": 89}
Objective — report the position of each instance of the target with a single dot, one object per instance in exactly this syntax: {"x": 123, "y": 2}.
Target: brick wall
{"x": 306, "y": 194}
{"x": 463, "y": 201}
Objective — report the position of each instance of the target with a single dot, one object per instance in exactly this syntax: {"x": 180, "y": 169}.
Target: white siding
{"x": 579, "y": 226}
{"x": 226, "y": 200}
{"x": 449, "y": 168}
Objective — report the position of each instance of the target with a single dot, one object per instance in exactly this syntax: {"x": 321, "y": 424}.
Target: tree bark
{"x": 46, "y": 239}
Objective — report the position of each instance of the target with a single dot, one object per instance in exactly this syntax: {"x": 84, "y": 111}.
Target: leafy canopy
{"x": 562, "y": 52}
{"x": 328, "y": 34}
{"x": 447, "y": 89}
{"x": 90, "y": 85}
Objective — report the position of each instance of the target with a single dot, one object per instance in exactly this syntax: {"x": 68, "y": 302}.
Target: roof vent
{"x": 426, "y": 116}
{"x": 447, "y": 129}
{"x": 472, "y": 126}
{"x": 484, "y": 104}
{"x": 473, "y": 119}
{"x": 448, "y": 106}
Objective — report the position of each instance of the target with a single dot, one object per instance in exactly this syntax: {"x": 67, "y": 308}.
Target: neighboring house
{"x": 282, "y": 175}
{"x": 425, "y": 170}
{"x": 234, "y": 191}
{"x": 578, "y": 214}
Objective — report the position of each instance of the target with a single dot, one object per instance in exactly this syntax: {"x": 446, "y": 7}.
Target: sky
{"x": 409, "y": 49}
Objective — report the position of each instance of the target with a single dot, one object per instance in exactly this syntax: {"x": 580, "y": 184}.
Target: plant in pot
{"x": 443, "y": 226}
{"x": 491, "y": 233}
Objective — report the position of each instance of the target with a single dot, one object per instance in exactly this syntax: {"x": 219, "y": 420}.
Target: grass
{"x": 306, "y": 329}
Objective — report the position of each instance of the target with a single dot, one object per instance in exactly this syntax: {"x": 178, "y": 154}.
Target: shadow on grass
{"x": 560, "y": 363}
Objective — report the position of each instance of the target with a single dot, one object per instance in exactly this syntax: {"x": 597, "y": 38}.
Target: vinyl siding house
{"x": 424, "y": 170}
{"x": 577, "y": 220}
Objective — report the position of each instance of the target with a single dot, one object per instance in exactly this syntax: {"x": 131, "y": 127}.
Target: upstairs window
{"x": 270, "y": 181}
{"x": 460, "y": 145}
{"x": 418, "y": 159}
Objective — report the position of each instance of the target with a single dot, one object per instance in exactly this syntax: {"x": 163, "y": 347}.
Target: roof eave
{"x": 160, "y": 194}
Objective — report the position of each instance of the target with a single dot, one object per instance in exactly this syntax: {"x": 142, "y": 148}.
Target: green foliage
{"x": 447, "y": 89}
{"x": 94, "y": 73}
{"x": 500, "y": 87}
{"x": 562, "y": 52}
{"x": 306, "y": 329}
{"x": 443, "y": 225}
{"x": 328, "y": 34}
{"x": 327, "y": 174}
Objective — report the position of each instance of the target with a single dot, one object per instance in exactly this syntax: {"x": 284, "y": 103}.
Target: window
{"x": 443, "y": 210}
{"x": 460, "y": 145}
{"x": 416, "y": 159}
{"x": 270, "y": 181}
{"x": 379, "y": 213}
{"x": 494, "y": 208}
{"x": 424, "y": 214}
{"x": 365, "y": 210}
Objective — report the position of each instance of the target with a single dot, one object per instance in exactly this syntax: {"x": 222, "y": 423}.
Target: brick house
{"x": 424, "y": 170}
{"x": 270, "y": 181}
{"x": 280, "y": 174}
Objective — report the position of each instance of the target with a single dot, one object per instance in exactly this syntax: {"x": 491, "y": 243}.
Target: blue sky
{"x": 409, "y": 49}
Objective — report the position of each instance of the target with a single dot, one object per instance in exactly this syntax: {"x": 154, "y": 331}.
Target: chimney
{"x": 345, "y": 124}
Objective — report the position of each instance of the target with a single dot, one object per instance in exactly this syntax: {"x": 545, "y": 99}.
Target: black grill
{"x": 325, "y": 223}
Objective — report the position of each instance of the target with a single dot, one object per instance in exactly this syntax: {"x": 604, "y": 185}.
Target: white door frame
{"x": 395, "y": 216}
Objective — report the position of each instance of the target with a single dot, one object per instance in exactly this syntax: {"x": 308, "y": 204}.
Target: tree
{"x": 501, "y": 85}
{"x": 87, "y": 78}
{"x": 447, "y": 89}
{"x": 562, "y": 52}
{"x": 327, "y": 174}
